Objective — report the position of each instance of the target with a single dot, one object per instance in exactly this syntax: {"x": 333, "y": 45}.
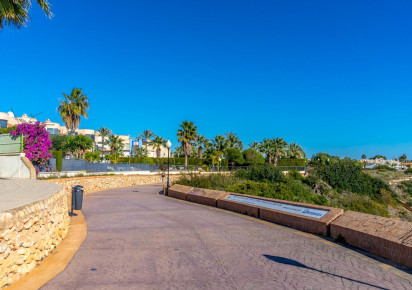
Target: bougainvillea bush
{"x": 36, "y": 142}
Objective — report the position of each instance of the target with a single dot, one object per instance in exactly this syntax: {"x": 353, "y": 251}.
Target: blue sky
{"x": 333, "y": 76}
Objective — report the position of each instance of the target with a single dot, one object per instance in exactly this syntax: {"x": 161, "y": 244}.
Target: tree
{"x": 58, "y": 141}
{"x": 104, "y": 132}
{"x": 255, "y": 145}
{"x": 186, "y": 135}
{"x": 70, "y": 146}
{"x": 200, "y": 142}
{"x": 234, "y": 157}
{"x": 72, "y": 108}
{"x": 253, "y": 157}
{"x": 141, "y": 152}
{"x": 16, "y": 12}
{"x": 378, "y": 157}
{"x": 219, "y": 143}
{"x": 267, "y": 148}
{"x": 364, "y": 156}
{"x": 116, "y": 144}
{"x": 278, "y": 145}
{"x": 295, "y": 151}
{"x": 158, "y": 142}
{"x": 83, "y": 143}
{"x": 403, "y": 158}
{"x": 178, "y": 152}
{"x": 233, "y": 141}
{"x": 146, "y": 135}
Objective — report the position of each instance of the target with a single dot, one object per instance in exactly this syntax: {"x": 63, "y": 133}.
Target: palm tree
{"x": 72, "y": 108}
{"x": 141, "y": 152}
{"x": 157, "y": 143}
{"x": 295, "y": 151}
{"x": 186, "y": 135}
{"x": 255, "y": 145}
{"x": 16, "y": 13}
{"x": 83, "y": 143}
{"x": 200, "y": 142}
{"x": 266, "y": 147}
{"x": 278, "y": 145}
{"x": 116, "y": 144}
{"x": 104, "y": 132}
{"x": 220, "y": 143}
{"x": 178, "y": 152}
{"x": 146, "y": 135}
{"x": 233, "y": 141}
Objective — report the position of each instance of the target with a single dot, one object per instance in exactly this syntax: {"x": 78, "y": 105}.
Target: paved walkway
{"x": 15, "y": 192}
{"x": 140, "y": 240}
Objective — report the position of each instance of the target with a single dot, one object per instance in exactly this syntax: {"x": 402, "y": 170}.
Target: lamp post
{"x": 168, "y": 146}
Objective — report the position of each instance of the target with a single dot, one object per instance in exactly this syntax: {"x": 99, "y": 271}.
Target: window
{"x": 53, "y": 131}
{"x": 90, "y": 136}
{"x": 3, "y": 123}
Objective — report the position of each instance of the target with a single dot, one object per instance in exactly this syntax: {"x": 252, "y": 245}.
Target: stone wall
{"x": 386, "y": 237}
{"x": 29, "y": 233}
{"x": 99, "y": 183}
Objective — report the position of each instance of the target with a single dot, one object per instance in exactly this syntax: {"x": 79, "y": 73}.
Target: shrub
{"x": 346, "y": 174}
{"x": 252, "y": 157}
{"x": 292, "y": 162}
{"x": 265, "y": 172}
{"x": 408, "y": 171}
{"x": 234, "y": 157}
{"x": 59, "y": 160}
{"x": 58, "y": 141}
{"x": 213, "y": 181}
{"x": 361, "y": 203}
{"x": 381, "y": 167}
{"x": 36, "y": 142}
{"x": 92, "y": 156}
{"x": 7, "y": 130}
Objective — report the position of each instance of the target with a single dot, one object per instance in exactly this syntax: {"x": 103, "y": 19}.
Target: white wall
{"x": 11, "y": 165}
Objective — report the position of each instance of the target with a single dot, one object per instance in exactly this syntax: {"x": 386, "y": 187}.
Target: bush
{"x": 361, "y": 203}
{"x": 92, "y": 156}
{"x": 292, "y": 162}
{"x": 408, "y": 171}
{"x": 252, "y": 157}
{"x": 347, "y": 174}
{"x": 384, "y": 168}
{"x": 213, "y": 181}
{"x": 58, "y": 141}
{"x": 279, "y": 190}
{"x": 59, "y": 160}
{"x": 265, "y": 172}
{"x": 234, "y": 157}
{"x": 7, "y": 130}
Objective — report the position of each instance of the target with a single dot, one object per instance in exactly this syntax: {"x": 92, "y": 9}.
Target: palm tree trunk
{"x": 275, "y": 160}
{"x": 269, "y": 157}
{"x": 185, "y": 160}
{"x": 200, "y": 152}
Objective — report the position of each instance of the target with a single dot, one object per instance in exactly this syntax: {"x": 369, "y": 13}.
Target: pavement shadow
{"x": 291, "y": 262}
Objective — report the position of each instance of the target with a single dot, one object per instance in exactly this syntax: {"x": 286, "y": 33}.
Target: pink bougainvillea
{"x": 36, "y": 142}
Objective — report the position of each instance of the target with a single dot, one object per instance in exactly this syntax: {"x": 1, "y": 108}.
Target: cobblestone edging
{"x": 29, "y": 233}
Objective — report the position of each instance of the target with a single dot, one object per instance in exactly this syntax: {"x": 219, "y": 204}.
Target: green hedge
{"x": 59, "y": 159}
{"x": 292, "y": 162}
{"x": 173, "y": 161}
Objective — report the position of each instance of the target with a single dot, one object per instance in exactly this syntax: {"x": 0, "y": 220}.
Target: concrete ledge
{"x": 238, "y": 207}
{"x": 302, "y": 223}
{"x": 386, "y": 237}
{"x": 205, "y": 196}
{"x": 179, "y": 191}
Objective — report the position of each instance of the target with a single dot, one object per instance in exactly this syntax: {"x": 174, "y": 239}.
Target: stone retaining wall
{"x": 99, "y": 183}
{"x": 29, "y": 233}
{"x": 386, "y": 237}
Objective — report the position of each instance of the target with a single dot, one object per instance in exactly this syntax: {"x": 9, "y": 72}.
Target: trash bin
{"x": 77, "y": 197}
